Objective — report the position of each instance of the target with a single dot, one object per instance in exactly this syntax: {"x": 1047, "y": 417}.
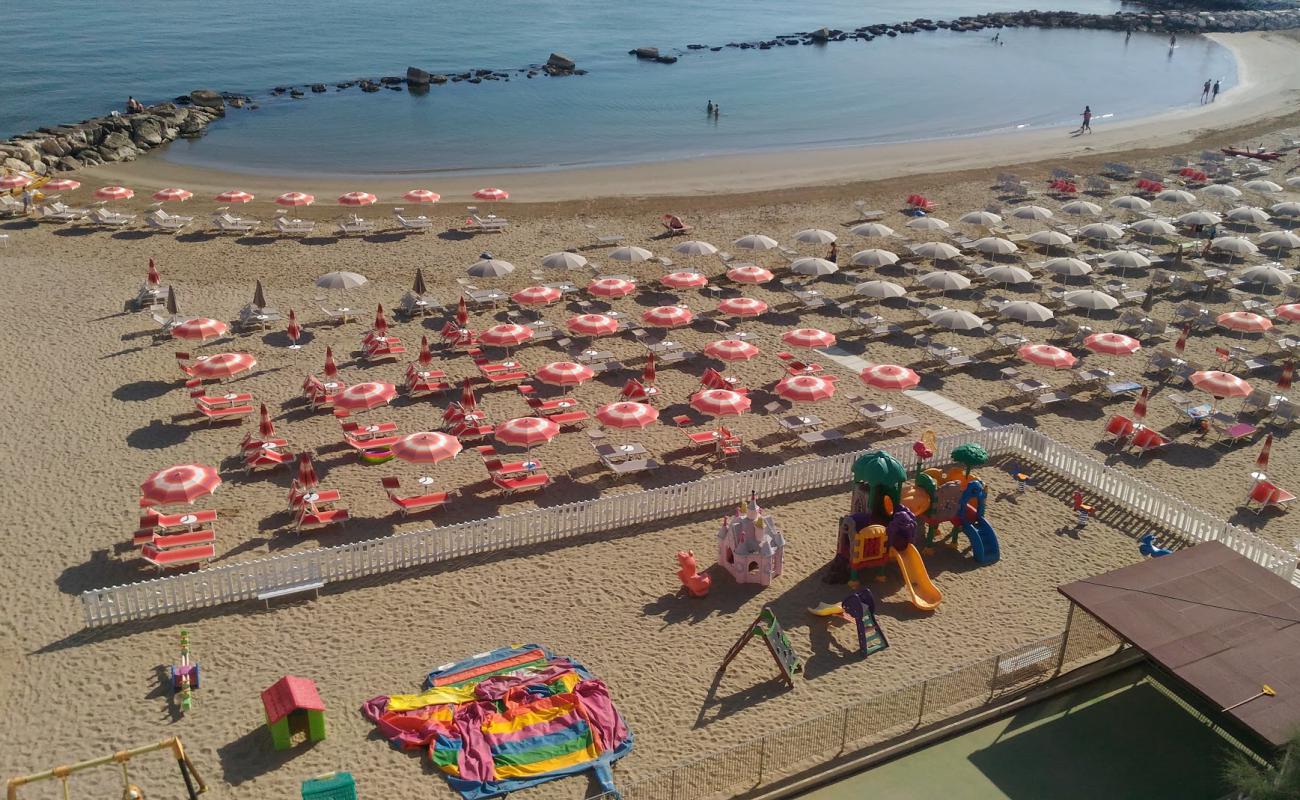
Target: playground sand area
{"x": 612, "y": 601}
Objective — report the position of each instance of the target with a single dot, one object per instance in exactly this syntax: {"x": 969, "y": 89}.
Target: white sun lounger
{"x": 225, "y": 222}
{"x": 356, "y": 226}
{"x": 59, "y": 212}
{"x": 110, "y": 219}
{"x": 160, "y": 220}
{"x": 420, "y": 223}
{"x": 489, "y": 224}
{"x": 10, "y": 205}
{"x": 294, "y": 227}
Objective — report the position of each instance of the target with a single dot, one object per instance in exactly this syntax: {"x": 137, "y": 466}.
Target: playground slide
{"x": 920, "y": 590}
{"x": 983, "y": 541}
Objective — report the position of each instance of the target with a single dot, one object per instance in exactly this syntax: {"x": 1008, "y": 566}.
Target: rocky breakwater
{"x": 114, "y": 137}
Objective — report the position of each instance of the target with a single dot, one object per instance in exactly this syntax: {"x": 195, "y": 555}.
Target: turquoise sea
{"x": 81, "y": 59}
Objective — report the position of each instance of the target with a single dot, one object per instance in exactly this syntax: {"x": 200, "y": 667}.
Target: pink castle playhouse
{"x": 750, "y": 545}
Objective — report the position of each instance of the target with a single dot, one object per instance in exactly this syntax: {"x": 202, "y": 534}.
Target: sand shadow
{"x": 251, "y": 756}
{"x": 716, "y": 708}
{"x": 132, "y": 236}
{"x": 725, "y": 598}
{"x": 99, "y": 571}
{"x": 157, "y": 435}
{"x": 138, "y": 391}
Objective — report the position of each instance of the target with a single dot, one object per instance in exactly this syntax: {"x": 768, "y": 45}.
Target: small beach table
{"x": 615, "y": 453}
{"x": 800, "y": 422}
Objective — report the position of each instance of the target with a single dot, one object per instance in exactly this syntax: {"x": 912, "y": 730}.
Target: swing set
{"x": 194, "y": 785}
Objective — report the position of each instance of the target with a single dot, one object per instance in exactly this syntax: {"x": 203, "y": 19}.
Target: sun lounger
{"x": 1266, "y": 494}
{"x": 1147, "y": 440}
{"x": 814, "y": 438}
{"x": 10, "y": 206}
{"x": 356, "y": 226}
{"x": 526, "y": 483}
{"x": 266, "y": 458}
{"x": 294, "y": 227}
{"x": 177, "y": 556}
{"x": 160, "y": 220}
{"x": 674, "y": 225}
{"x": 1230, "y": 433}
{"x": 630, "y": 467}
{"x": 59, "y": 212}
{"x": 220, "y": 401}
{"x": 488, "y": 224}
{"x": 414, "y": 504}
{"x": 420, "y": 223}
{"x": 865, "y": 214}
{"x": 1119, "y": 429}
{"x": 154, "y": 524}
{"x": 1048, "y": 398}
{"x": 324, "y": 498}
{"x": 109, "y": 219}
{"x": 228, "y": 223}
{"x": 311, "y": 517}
{"x": 894, "y": 422}
{"x": 175, "y": 541}
{"x": 222, "y": 413}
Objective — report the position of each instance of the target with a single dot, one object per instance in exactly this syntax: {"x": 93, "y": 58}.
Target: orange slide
{"x": 921, "y": 591}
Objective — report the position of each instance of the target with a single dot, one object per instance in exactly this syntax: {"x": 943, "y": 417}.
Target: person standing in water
{"x": 1173, "y": 40}
{"x": 709, "y": 108}
{"x": 1128, "y": 34}
{"x": 1087, "y": 120}
{"x": 1214, "y": 92}
{"x": 1205, "y": 92}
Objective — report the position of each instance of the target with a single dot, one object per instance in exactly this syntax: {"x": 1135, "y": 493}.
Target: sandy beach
{"x": 98, "y": 403}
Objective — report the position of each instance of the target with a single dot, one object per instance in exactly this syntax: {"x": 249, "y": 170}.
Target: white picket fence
{"x": 245, "y": 580}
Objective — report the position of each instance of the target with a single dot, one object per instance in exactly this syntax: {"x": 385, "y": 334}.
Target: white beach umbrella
{"x": 1261, "y": 186}
{"x": 341, "y": 280}
{"x": 954, "y": 319}
{"x": 1102, "y": 231}
{"x": 1067, "y": 267}
{"x": 1090, "y": 300}
{"x": 945, "y": 281}
{"x": 693, "y": 247}
{"x": 1249, "y": 215}
{"x": 1153, "y": 227}
{"x": 1050, "y": 239}
{"x": 1221, "y": 191}
{"x": 1127, "y": 259}
{"x": 995, "y": 246}
{"x": 490, "y": 268}
{"x": 1081, "y": 208}
{"x": 1235, "y": 246}
{"x": 936, "y": 251}
{"x": 813, "y": 266}
{"x": 564, "y": 260}
{"x": 873, "y": 258}
{"x": 984, "y": 219}
{"x": 928, "y": 224}
{"x": 1177, "y": 197}
{"x": 1008, "y": 274}
{"x": 1290, "y": 209}
{"x": 1278, "y": 240}
{"x": 1265, "y": 275}
{"x": 872, "y": 230}
{"x": 1295, "y": 181}
{"x": 630, "y": 254}
{"x": 1129, "y": 202}
{"x": 880, "y": 290}
{"x": 755, "y": 242}
{"x": 1036, "y": 213}
{"x": 814, "y": 236}
{"x": 1026, "y": 311}
{"x": 1200, "y": 218}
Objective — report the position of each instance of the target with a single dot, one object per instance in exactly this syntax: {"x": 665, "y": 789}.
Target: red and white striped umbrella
{"x": 492, "y": 193}
{"x": 223, "y": 365}
{"x": 742, "y": 307}
{"x": 591, "y": 325}
{"x": 421, "y": 196}
{"x": 114, "y": 193}
{"x": 648, "y": 374}
{"x": 14, "y": 180}
{"x": 750, "y": 274}
{"x": 808, "y": 337}
{"x": 426, "y": 354}
{"x": 1289, "y": 312}
{"x": 1220, "y": 384}
{"x": 805, "y": 388}
{"x": 357, "y": 199}
{"x": 265, "y": 427}
{"x": 537, "y": 296}
{"x": 611, "y": 287}
{"x": 564, "y": 373}
{"x": 307, "y": 471}
{"x": 62, "y": 185}
{"x": 462, "y": 312}
{"x": 626, "y": 415}
{"x": 200, "y": 329}
{"x": 1261, "y": 460}
{"x": 1140, "y": 407}
{"x": 152, "y": 276}
{"x": 1046, "y": 355}
{"x": 1287, "y": 375}
{"x": 234, "y": 196}
{"x": 506, "y": 335}
{"x": 1244, "y": 322}
{"x": 365, "y": 396}
{"x": 1112, "y": 344}
{"x": 667, "y": 316}
{"x": 730, "y": 350}
{"x": 295, "y": 199}
{"x": 381, "y": 322}
{"x": 331, "y": 369}
{"x": 720, "y": 403}
{"x": 426, "y": 447}
{"x": 890, "y": 377}
{"x": 183, "y": 483}
{"x": 1181, "y": 344}
{"x": 167, "y": 195}
{"x": 527, "y": 431}
{"x": 683, "y": 280}
{"x": 467, "y": 399}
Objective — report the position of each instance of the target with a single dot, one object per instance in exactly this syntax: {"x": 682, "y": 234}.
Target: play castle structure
{"x": 887, "y": 511}
{"x": 750, "y": 545}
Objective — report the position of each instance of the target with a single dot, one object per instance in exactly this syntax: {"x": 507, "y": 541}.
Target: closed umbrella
{"x": 223, "y": 365}
{"x": 421, "y": 196}
{"x": 526, "y": 431}
{"x": 1046, "y": 355}
{"x": 1248, "y": 215}
{"x": 983, "y": 219}
{"x": 631, "y": 255}
{"x": 341, "y": 280}
{"x": 648, "y": 374}
{"x": 1244, "y": 322}
{"x": 1101, "y": 231}
{"x": 684, "y": 280}
{"x": 720, "y": 403}
{"x": 814, "y": 236}
{"x": 872, "y": 230}
{"x": 426, "y": 447}
{"x": 1261, "y": 460}
{"x": 1112, "y": 344}
{"x": 1278, "y": 240}
{"x": 365, "y": 396}
{"x": 506, "y": 335}
{"x": 1286, "y": 376}
{"x": 626, "y": 415}
{"x": 928, "y": 224}
{"x": 172, "y": 194}
{"x": 565, "y": 373}
{"x": 265, "y": 426}
{"x": 591, "y": 325}
{"x": 815, "y": 267}
{"x": 692, "y": 248}
{"x": 1067, "y": 267}
{"x": 889, "y": 377}
{"x": 750, "y": 274}
{"x": 1090, "y": 300}
{"x": 381, "y": 321}
{"x": 200, "y": 329}
{"x": 183, "y": 483}
{"x": 1181, "y": 344}
{"x": 492, "y": 193}
{"x": 995, "y": 246}
{"x": 936, "y": 251}
{"x": 880, "y": 290}
{"x": 808, "y": 337}
{"x": 294, "y": 330}
{"x": 945, "y": 281}
{"x": 331, "y": 369}
{"x": 1221, "y": 384}
{"x": 954, "y": 319}
{"x": 805, "y": 388}
{"x": 611, "y": 287}
{"x": 259, "y": 295}
{"x": 1026, "y": 311}
{"x": 467, "y": 398}
{"x": 307, "y": 471}
{"x": 1261, "y": 186}
{"x": 731, "y": 350}
{"x": 1264, "y": 275}
{"x": 742, "y": 307}
{"x": 1140, "y": 407}
{"x": 1128, "y": 202}
{"x": 462, "y": 312}
{"x": 537, "y": 296}
{"x": 1032, "y": 213}
{"x": 234, "y": 196}
{"x": 1177, "y": 197}
{"x": 425, "y": 358}
{"x": 564, "y": 260}
{"x": 292, "y": 199}
{"x": 152, "y": 277}
{"x": 490, "y": 268}
{"x": 1008, "y": 275}
{"x": 1199, "y": 218}
{"x": 667, "y": 317}
{"x": 1081, "y": 208}
{"x": 874, "y": 258}
{"x": 170, "y": 303}
{"x": 755, "y": 242}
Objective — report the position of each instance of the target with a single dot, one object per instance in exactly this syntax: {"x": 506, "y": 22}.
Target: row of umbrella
{"x": 176, "y": 194}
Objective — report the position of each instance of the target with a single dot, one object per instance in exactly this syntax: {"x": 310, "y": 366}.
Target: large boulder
{"x": 207, "y": 98}
{"x": 115, "y": 140}
{"x": 646, "y": 52}
{"x": 820, "y": 35}
{"x": 146, "y": 130}
{"x": 54, "y": 146}
{"x": 417, "y": 77}
{"x": 69, "y": 164}
{"x": 561, "y": 62}
{"x": 16, "y": 165}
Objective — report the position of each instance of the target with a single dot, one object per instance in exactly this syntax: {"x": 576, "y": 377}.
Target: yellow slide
{"x": 920, "y": 590}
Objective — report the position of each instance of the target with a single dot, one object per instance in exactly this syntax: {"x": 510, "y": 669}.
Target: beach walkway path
{"x": 966, "y": 416}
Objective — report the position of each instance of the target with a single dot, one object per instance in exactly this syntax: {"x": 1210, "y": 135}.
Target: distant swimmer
{"x": 1087, "y": 120}
{"x": 997, "y": 37}
{"x": 1205, "y": 91}
{"x": 1214, "y": 92}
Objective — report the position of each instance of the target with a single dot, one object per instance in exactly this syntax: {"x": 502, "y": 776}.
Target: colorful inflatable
{"x": 507, "y": 720}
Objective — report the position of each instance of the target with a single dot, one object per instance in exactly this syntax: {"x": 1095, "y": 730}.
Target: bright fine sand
{"x": 96, "y": 405}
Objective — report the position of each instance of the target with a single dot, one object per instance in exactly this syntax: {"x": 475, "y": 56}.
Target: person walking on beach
{"x": 1214, "y": 92}
{"x": 1173, "y": 41}
{"x": 1205, "y": 92}
{"x": 1087, "y": 120}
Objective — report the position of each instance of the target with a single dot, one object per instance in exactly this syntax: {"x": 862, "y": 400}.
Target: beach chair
{"x": 266, "y": 458}
{"x": 1266, "y": 494}
{"x": 674, "y": 225}
{"x": 1119, "y": 429}
{"x": 470, "y": 431}
{"x": 175, "y": 541}
{"x": 109, "y": 219}
{"x": 311, "y": 517}
{"x": 712, "y": 379}
{"x": 866, "y": 215}
{"x": 1147, "y": 440}
{"x": 10, "y": 206}
{"x": 225, "y": 222}
{"x": 175, "y": 557}
{"x": 163, "y": 222}
{"x": 810, "y": 439}
{"x": 572, "y": 420}
{"x": 222, "y": 410}
{"x": 294, "y": 227}
{"x": 356, "y": 226}
{"x": 489, "y": 224}
{"x": 638, "y": 392}
{"x": 525, "y": 483}
{"x": 1284, "y": 414}
{"x": 419, "y": 383}
{"x": 325, "y": 498}
{"x": 420, "y": 224}
{"x": 1232, "y": 431}
{"x": 794, "y": 366}
{"x": 199, "y": 395}
{"x": 413, "y": 504}
{"x": 605, "y": 239}
{"x": 60, "y": 212}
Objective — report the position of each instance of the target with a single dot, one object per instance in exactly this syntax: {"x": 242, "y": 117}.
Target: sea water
{"x": 74, "y": 60}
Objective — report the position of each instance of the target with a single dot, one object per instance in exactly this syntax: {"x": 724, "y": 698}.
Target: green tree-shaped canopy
{"x": 878, "y": 468}
{"x": 970, "y": 456}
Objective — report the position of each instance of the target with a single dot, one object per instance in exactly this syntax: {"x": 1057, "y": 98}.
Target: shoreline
{"x": 1268, "y": 72}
